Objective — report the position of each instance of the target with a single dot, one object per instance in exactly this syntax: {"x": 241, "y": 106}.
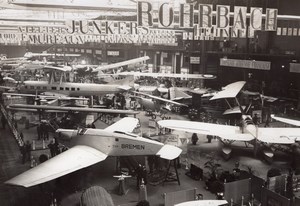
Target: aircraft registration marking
{"x": 132, "y": 146}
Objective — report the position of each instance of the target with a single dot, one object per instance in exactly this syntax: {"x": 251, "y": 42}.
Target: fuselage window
{"x": 67, "y": 88}
{"x": 61, "y": 88}
{"x": 31, "y": 87}
{"x": 26, "y": 87}
{"x": 73, "y": 89}
{"x": 38, "y": 87}
{"x": 78, "y": 89}
{"x": 45, "y": 88}
{"x": 116, "y": 139}
{"x": 53, "y": 88}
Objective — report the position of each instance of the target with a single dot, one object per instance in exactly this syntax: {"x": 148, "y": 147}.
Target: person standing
{"x": 28, "y": 150}
{"x": 139, "y": 175}
{"x": 3, "y": 121}
{"x": 38, "y": 128}
{"x": 23, "y": 152}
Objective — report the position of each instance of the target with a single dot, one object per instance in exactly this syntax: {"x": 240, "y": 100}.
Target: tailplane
{"x": 169, "y": 152}
{"x": 176, "y": 94}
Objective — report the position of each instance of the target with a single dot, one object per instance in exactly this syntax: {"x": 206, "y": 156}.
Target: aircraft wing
{"x": 234, "y": 110}
{"x": 63, "y": 69}
{"x": 120, "y": 64}
{"x": 278, "y": 135}
{"x": 201, "y": 127}
{"x": 76, "y": 158}
{"x": 127, "y": 124}
{"x": 161, "y": 99}
{"x": 61, "y": 97}
{"x": 170, "y": 75}
{"x": 125, "y": 87}
{"x": 203, "y": 203}
{"x": 147, "y": 88}
{"x": 5, "y": 88}
{"x": 74, "y": 109}
{"x": 287, "y": 120}
{"x": 229, "y": 91}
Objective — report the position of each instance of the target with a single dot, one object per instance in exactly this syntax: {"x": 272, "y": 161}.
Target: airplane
{"x": 90, "y": 146}
{"x": 246, "y": 132}
{"x": 77, "y": 89}
{"x": 203, "y": 203}
{"x": 152, "y": 103}
{"x": 102, "y": 68}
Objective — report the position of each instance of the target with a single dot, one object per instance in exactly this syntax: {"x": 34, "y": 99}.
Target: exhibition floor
{"x": 69, "y": 188}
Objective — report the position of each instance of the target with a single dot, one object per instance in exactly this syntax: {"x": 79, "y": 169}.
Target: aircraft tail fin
{"x": 169, "y": 152}
{"x": 176, "y": 94}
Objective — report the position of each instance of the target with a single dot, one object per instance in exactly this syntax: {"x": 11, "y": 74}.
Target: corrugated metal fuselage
{"x": 70, "y": 89}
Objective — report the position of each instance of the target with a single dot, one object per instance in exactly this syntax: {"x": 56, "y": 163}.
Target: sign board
{"x": 195, "y": 60}
{"x": 295, "y": 67}
{"x": 184, "y": 71}
{"x": 249, "y": 64}
{"x": 89, "y": 119}
{"x": 113, "y": 53}
{"x": 152, "y": 123}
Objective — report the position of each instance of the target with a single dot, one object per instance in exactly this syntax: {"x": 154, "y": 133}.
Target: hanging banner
{"x": 157, "y": 23}
{"x": 250, "y": 64}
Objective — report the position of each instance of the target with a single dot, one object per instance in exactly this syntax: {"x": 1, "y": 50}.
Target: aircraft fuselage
{"x": 70, "y": 89}
{"x": 110, "y": 143}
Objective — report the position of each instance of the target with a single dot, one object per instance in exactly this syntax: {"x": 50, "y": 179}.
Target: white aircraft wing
{"x": 63, "y": 69}
{"x": 229, "y": 91}
{"x": 161, "y": 99}
{"x": 203, "y": 203}
{"x": 74, "y": 109}
{"x": 287, "y": 120}
{"x": 147, "y": 88}
{"x": 49, "y": 97}
{"x": 234, "y": 110}
{"x": 120, "y": 64}
{"x": 170, "y": 75}
{"x": 127, "y": 124}
{"x": 278, "y": 135}
{"x": 76, "y": 158}
{"x": 125, "y": 87}
{"x": 223, "y": 131}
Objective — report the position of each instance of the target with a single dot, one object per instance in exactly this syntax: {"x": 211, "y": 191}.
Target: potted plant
{"x": 213, "y": 168}
{"x": 194, "y": 139}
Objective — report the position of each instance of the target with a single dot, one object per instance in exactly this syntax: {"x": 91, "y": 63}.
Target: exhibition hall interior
{"x": 149, "y": 102}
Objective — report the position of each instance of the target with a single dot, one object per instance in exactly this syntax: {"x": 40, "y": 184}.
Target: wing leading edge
{"x": 127, "y": 124}
{"x": 76, "y": 158}
{"x": 223, "y": 131}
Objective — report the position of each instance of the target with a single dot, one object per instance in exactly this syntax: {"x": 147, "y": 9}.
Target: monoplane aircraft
{"x": 90, "y": 146}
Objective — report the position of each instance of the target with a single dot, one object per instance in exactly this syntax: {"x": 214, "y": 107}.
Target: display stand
{"x": 172, "y": 179}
